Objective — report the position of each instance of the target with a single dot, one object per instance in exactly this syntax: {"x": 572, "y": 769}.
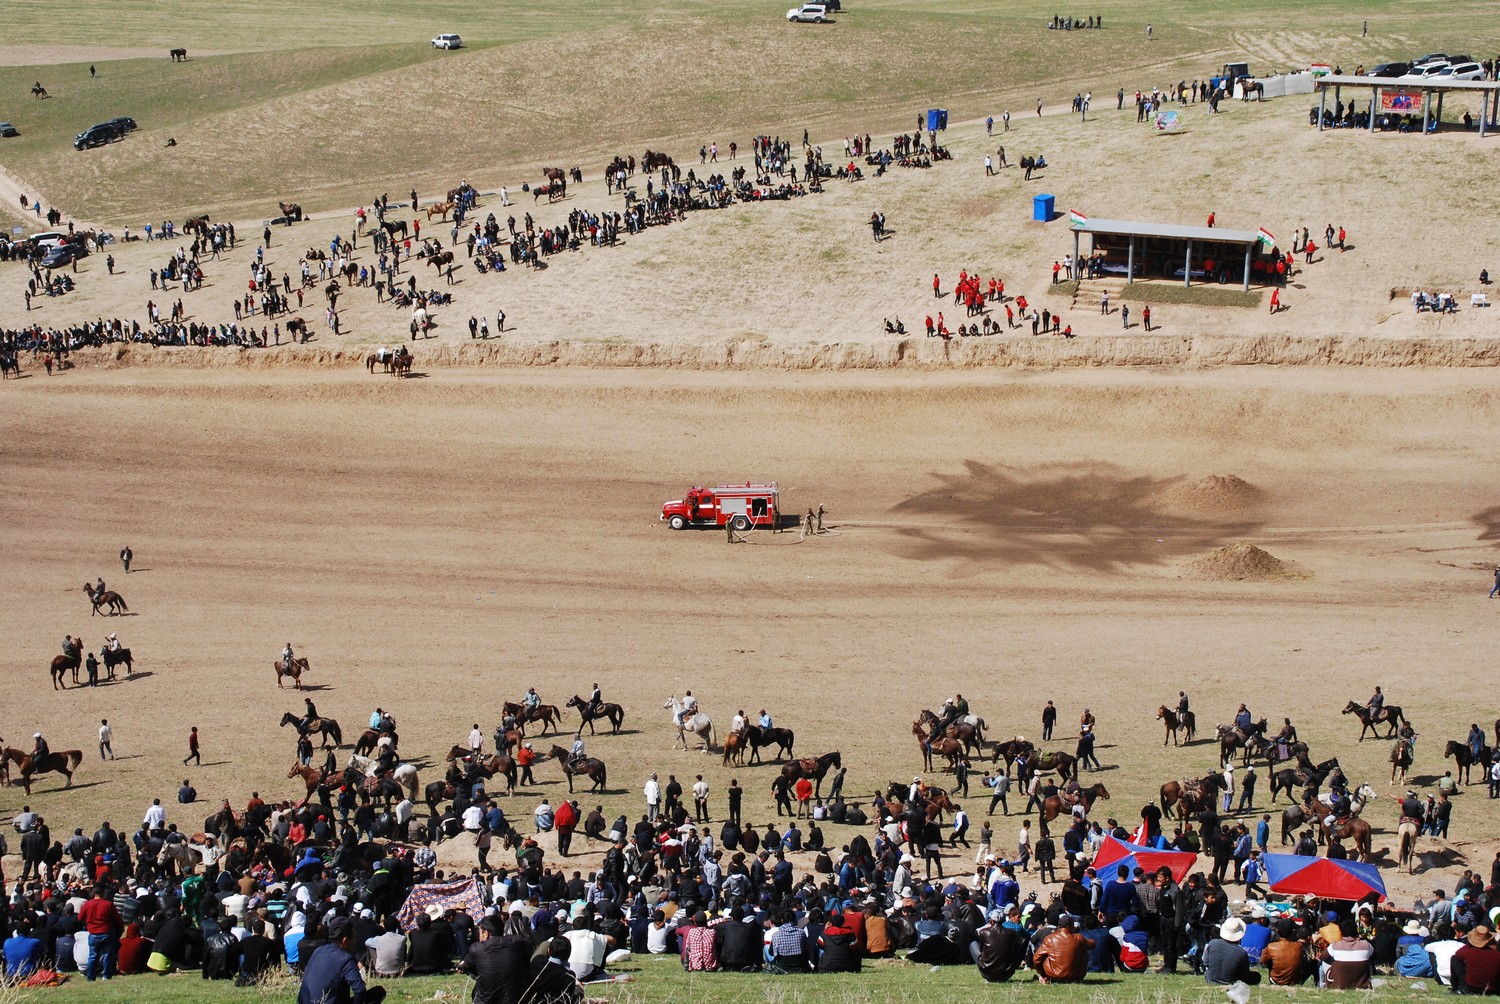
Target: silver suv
{"x": 809, "y": 12}
{"x": 447, "y": 42}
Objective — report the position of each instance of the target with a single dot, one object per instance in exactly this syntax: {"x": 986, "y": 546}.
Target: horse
{"x": 394, "y": 227}
{"x": 9, "y": 365}
{"x": 1306, "y": 773}
{"x": 296, "y": 326}
{"x": 60, "y": 665}
{"x": 734, "y": 747}
{"x": 1463, "y": 757}
{"x": 178, "y": 55}
{"x": 813, "y": 769}
{"x": 1357, "y": 829}
{"x": 290, "y": 211}
{"x": 539, "y": 191}
{"x": 402, "y": 366}
{"x": 439, "y": 209}
{"x": 326, "y": 727}
{"x": 547, "y": 714}
{"x": 39, "y": 92}
{"x": 697, "y": 723}
{"x": 382, "y": 359}
{"x": 968, "y": 730}
{"x": 1400, "y": 760}
{"x": 1063, "y": 763}
{"x": 757, "y": 738}
{"x": 1232, "y": 738}
{"x": 1190, "y": 795}
{"x": 1407, "y": 832}
{"x": 1054, "y": 805}
{"x": 588, "y": 767}
{"x": 440, "y": 259}
{"x": 1253, "y": 87}
{"x": 1012, "y": 749}
{"x": 554, "y": 174}
{"x": 1173, "y": 722}
{"x": 108, "y": 598}
{"x": 940, "y": 745}
{"x": 311, "y": 776}
{"x": 63, "y": 762}
{"x": 113, "y": 658}
{"x": 613, "y": 713}
{"x": 196, "y": 224}
{"x": 298, "y": 667}
{"x": 370, "y": 738}
{"x": 1391, "y": 715}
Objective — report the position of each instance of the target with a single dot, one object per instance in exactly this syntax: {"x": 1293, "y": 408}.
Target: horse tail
{"x": 603, "y": 775}
{"x": 74, "y": 758}
{"x": 121, "y": 600}
{"x": 336, "y": 732}
{"x": 713, "y": 739}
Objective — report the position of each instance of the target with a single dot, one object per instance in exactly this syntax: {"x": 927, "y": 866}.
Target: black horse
{"x": 612, "y": 713}
{"x": 757, "y": 738}
{"x": 113, "y": 659}
{"x": 394, "y": 227}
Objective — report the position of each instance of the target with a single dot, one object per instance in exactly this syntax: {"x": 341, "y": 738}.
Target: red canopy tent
{"x": 1114, "y": 852}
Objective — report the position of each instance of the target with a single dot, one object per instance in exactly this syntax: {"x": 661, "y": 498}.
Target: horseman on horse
{"x": 72, "y": 648}
{"x": 286, "y": 659}
{"x": 689, "y": 709}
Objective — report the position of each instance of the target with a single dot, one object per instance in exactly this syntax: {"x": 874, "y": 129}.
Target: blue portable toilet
{"x": 1041, "y": 207}
{"x": 933, "y": 118}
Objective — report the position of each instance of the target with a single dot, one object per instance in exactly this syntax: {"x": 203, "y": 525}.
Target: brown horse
{"x": 588, "y": 767}
{"x": 299, "y": 666}
{"x": 1389, "y": 715}
{"x": 734, "y": 748}
{"x": 440, "y": 209}
{"x": 1400, "y": 760}
{"x": 503, "y": 765}
{"x": 370, "y": 738}
{"x": 1173, "y": 723}
{"x": 814, "y": 770}
{"x": 63, "y": 762}
{"x": 1253, "y": 87}
{"x": 402, "y": 366}
{"x": 1056, "y": 805}
{"x": 941, "y": 746}
{"x": 1190, "y": 795}
{"x": 196, "y": 224}
{"x": 61, "y": 664}
{"x": 178, "y": 55}
{"x": 1012, "y": 749}
{"x": 547, "y": 714}
{"x": 440, "y": 259}
{"x": 1063, "y": 763}
{"x": 290, "y": 211}
{"x": 971, "y": 734}
{"x": 1232, "y": 738}
{"x": 107, "y": 598}
{"x": 1356, "y": 829}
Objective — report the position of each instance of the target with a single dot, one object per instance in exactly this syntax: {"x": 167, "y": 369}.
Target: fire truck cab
{"x": 741, "y": 506}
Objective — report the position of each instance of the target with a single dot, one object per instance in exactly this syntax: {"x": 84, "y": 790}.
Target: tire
{"x": 740, "y": 523}
{"x": 678, "y": 523}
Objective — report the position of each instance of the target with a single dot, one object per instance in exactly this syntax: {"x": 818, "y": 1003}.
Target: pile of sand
{"x": 1242, "y": 563}
{"x": 1213, "y": 494}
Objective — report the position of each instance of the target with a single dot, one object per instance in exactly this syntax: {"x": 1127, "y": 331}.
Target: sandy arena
{"x": 435, "y": 546}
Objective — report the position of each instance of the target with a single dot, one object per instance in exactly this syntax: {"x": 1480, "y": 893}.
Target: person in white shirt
{"x": 404, "y": 811}
{"x": 656, "y": 934}
{"x": 544, "y": 817}
{"x": 700, "y": 799}
{"x": 587, "y": 957}
{"x": 156, "y": 816}
{"x": 652, "y": 792}
{"x": 737, "y": 724}
{"x": 476, "y": 740}
{"x": 106, "y": 739}
{"x": 473, "y": 818}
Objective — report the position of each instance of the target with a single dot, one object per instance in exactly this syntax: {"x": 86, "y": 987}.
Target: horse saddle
{"x": 808, "y": 766}
{"x": 315, "y": 725}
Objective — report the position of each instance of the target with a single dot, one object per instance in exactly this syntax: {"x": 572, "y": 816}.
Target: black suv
{"x": 97, "y": 135}
{"x": 124, "y": 123}
{"x": 1389, "y": 70}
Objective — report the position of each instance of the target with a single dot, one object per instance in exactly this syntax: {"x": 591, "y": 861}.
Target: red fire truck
{"x": 741, "y": 506}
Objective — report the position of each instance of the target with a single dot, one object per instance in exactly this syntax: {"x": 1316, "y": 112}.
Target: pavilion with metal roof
{"x": 1395, "y": 96}
{"x": 1164, "y": 250}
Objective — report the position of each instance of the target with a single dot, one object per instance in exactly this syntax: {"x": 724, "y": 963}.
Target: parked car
{"x": 124, "y": 123}
{"x": 50, "y": 239}
{"x": 63, "y": 254}
{"x": 1431, "y": 57}
{"x": 7, "y": 130}
{"x": 815, "y": 13}
{"x": 447, "y": 42}
{"x": 97, "y": 135}
{"x": 1388, "y": 70}
{"x": 1427, "y": 70}
{"x": 1463, "y": 71}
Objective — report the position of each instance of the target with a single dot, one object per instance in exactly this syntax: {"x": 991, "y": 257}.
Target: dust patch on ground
{"x": 1213, "y": 494}
{"x": 1242, "y": 563}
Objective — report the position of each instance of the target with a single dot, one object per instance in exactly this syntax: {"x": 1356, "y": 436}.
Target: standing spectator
{"x": 804, "y": 790}
{"x": 126, "y": 555}
{"x": 700, "y": 800}
{"x": 1049, "y": 719}
{"x": 106, "y": 739}
{"x": 566, "y": 821}
{"x": 1247, "y": 789}
{"x": 736, "y": 796}
{"x": 102, "y": 922}
{"x": 476, "y": 740}
{"x": 652, "y": 793}
{"x": 194, "y": 754}
{"x": 1000, "y": 783}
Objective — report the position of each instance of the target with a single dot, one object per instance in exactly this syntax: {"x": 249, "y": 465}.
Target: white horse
{"x": 698, "y": 723}
{"x": 405, "y": 774}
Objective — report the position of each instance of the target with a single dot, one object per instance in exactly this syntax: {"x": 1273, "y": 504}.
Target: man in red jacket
{"x": 565, "y": 819}
{"x": 102, "y": 922}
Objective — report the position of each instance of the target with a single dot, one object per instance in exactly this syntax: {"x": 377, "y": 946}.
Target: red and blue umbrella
{"x": 1325, "y": 878}
{"x": 1115, "y": 852}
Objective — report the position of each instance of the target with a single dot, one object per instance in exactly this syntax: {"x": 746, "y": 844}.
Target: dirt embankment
{"x": 750, "y": 352}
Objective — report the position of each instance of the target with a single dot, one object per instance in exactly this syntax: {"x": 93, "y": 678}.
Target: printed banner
{"x": 1167, "y": 120}
{"x": 1401, "y": 102}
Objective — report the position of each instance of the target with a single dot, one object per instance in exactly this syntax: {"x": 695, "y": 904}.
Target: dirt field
{"x": 436, "y": 546}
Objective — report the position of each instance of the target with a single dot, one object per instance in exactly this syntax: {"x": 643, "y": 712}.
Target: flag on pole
{"x": 1266, "y": 237}
{"x": 1077, "y": 218}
